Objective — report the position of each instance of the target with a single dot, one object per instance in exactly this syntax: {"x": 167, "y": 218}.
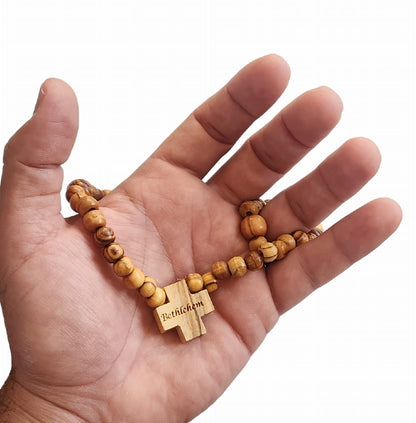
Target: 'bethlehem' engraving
{"x": 181, "y": 310}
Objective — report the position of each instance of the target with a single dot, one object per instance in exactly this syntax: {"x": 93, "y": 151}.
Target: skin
{"x": 86, "y": 349}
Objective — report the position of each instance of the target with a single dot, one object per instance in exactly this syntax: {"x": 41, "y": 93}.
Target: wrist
{"x": 18, "y": 405}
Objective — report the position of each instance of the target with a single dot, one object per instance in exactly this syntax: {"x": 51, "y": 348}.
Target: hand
{"x": 83, "y": 347}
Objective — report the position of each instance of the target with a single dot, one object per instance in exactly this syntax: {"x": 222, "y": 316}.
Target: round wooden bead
{"x": 93, "y": 220}
{"x": 250, "y": 207}
{"x": 253, "y": 260}
{"x": 74, "y": 189}
{"x": 194, "y": 282}
{"x": 301, "y": 237}
{"x": 288, "y": 240}
{"x": 76, "y": 199}
{"x": 252, "y": 226}
{"x": 256, "y": 243}
{"x": 314, "y": 233}
{"x": 268, "y": 251}
{"x": 113, "y": 252}
{"x": 237, "y": 266}
{"x": 212, "y": 287}
{"x": 123, "y": 267}
{"x": 157, "y": 299}
{"x": 208, "y": 278}
{"x": 86, "y": 204}
{"x": 88, "y": 188}
{"x": 282, "y": 249}
{"x": 106, "y": 191}
{"x": 220, "y": 270}
{"x": 135, "y": 280}
{"x": 148, "y": 288}
{"x": 104, "y": 236}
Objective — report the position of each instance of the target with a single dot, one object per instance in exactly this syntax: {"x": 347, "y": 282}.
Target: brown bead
{"x": 113, "y": 252}
{"x": 237, "y": 266}
{"x": 194, "y": 282}
{"x": 104, "y": 236}
{"x": 106, "y": 191}
{"x": 208, "y": 278}
{"x": 319, "y": 228}
{"x": 220, "y": 270}
{"x": 74, "y": 189}
{"x": 211, "y": 287}
{"x": 253, "y": 260}
{"x": 148, "y": 288}
{"x": 256, "y": 243}
{"x": 135, "y": 280}
{"x": 93, "y": 220}
{"x": 252, "y": 226}
{"x": 89, "y": 188}
{"x": 86, "y": 204}
{"x": 268, "y": 251}
{"x": 123, "y": 267}
{"x": 75, "y": 200}
{"x": 282, "y": 249}
{"x": 157, "y": 299}
{"x": 301, "y": 237}
{"x": 288, "y": 240}
{"x": 250, "y": 207}
{"x": 314, "y": 233}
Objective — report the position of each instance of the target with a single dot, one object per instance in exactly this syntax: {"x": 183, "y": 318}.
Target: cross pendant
{"x": 183, "y": 311}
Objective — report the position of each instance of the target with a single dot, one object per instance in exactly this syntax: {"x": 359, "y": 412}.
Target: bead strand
{"x": 83, "y": 199}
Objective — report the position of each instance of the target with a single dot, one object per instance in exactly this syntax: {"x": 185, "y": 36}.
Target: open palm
{"x": 86, "y": 349}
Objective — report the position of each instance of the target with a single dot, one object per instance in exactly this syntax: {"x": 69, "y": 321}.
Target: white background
{"x": 347, "y": 353}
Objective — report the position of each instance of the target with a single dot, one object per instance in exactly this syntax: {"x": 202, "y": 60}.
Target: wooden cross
{"x": 183, "y": 311}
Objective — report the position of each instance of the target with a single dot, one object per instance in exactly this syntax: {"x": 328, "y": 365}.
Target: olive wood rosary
{"x": 182, "y": 304}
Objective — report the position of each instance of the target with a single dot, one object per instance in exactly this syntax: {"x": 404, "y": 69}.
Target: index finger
{"x": 213, "y": 128}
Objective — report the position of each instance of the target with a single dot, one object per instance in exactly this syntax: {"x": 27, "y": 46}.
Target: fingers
{"x": 212, "y": 129}
{"x": 312, "y": 199}
{"x": 278, "y": 146}
{"x": 312, "y": 265}
{"x": 32, "y": 176}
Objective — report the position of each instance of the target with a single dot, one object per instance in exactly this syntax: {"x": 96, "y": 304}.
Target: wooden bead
{"x": 301, "y": 237}
{"x": 212, "y": 287}
{"x": 256, "y": 243}
{"x": 268, "y": 251}
{"x": 220, "y": 270}
{"x": 123, "y": 267}
{"x": 157, "y": 299}
{"x": 148, "y": 288}
{"x": 75, "y": 200}
{"x": 194, "y": 282}
{"x": 288, "y": 240}
{"x": 208, "y": 278}
{"x": 104, "y": 236}
{"x": 135, "y": 280}
{"x": 86, "y": 204}
{"x": 106, "y": 191}
{"x": 113, "y": 252}
{"x": 319, "y": 228}
{"x": 253, "y": 260}
{"x": 93, "y": 220}
{"x": 250, "y": 207}
{"x": 252, "y": 226}
{"x": 237, "y": 266}
{"x": 282, "y": 249}
{"x": 314, "y": 233}
{"x": 88, "y": 188}
{"x": 74, "y": 189}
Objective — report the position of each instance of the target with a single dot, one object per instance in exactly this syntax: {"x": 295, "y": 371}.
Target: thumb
{"x": 32, "y": 175}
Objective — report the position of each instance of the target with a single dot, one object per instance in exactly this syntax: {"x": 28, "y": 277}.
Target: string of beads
{"x": 84, "y": 199}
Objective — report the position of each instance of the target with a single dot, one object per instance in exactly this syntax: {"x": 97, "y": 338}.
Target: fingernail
{"x": 41, "y": 96}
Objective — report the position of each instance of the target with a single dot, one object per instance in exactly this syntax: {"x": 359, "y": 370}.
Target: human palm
{"x": 84, "y": 348}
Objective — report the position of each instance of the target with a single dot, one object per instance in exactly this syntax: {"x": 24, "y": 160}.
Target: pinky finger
{"x": 314, "y": 264}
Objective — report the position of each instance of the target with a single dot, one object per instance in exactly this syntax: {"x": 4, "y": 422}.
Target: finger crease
{"x": 292, "y": 136}
{"x": 212, "y": 131}
{"x": 239, "y": 105}
{"x": 264, "y": 158}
